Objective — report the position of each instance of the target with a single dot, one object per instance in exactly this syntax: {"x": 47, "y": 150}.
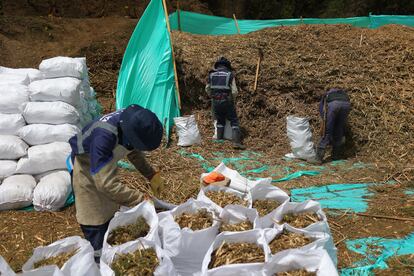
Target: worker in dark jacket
{"x": 221, "y": 88}
{"x": 95, "y": 152}
{"x": 334, "y": 108}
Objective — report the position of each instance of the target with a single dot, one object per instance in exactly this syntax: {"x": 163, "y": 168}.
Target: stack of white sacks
{"x": 39, "y": 111}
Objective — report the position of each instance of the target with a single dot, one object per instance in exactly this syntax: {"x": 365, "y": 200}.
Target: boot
{"x": 320, "y": 153}
{"x": 337, "y": 153}
{"x": 237, "y": 139}
{"x": 220, "y": 133}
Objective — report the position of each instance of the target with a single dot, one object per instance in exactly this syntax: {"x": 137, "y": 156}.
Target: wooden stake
{"x": 172, "y": 50}
{"x": 237, "y": 24}
{"x": 259, "y": 60}
{"x": 178, "y": 15}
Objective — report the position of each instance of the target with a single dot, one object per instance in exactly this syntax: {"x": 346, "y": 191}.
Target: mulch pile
{"x": 58, "y": 260}
{"x": 236, "y": 253}
{"x": 130, "y": 232}
{"x": 140, "y": 262}
{"x": 223, "y": 199}
{"x": 197, "y": 221}
{"x": 265, "y": 206}
{"x": 301, "y": 220}
{"x": 299, "y": 64}
{"x": 288, "y": 240}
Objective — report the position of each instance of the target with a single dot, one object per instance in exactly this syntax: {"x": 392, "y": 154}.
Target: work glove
{"x": 157, "y": 184}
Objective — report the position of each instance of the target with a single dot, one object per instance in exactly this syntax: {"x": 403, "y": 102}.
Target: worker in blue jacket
{"x": 95, "y": 152}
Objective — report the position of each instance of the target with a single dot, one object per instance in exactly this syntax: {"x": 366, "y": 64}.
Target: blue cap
{"x": 141, "y": 127}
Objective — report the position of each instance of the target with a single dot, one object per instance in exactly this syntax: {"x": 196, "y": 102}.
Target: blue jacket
{"x": 98, "y": 139}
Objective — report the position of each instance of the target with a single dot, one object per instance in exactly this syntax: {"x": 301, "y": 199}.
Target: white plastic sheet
{"x": 233, "y": 214}
{"x": 268, "y": 191}
{"x": 52, "y": 191}
{"x": 60, "y": 89}
{"x": 300, "y": 136}
{"x": 255, "y": 236}
{"x": 5, "y": 269}
{"x": 239, "y": 182}
{"x": 11, "y": 123}
{"x": 146, "y": 210}
{"x": 11, "y": 97}
{"x": 185, "y": 246}
{"x": 43, "y": 158}
{"x": 7, "y": 168}
{"x": 51, "y": 270}
{"x": 165, "y": 266}
{"x": 54, "y": 113}
{"x": 58, "y": 67}
{"x": 38, "y": 134}
{"x": 12, "y": 147}
{"x": 203, "y": 197}
{"x": 16, "y": 192}
{"x": 81, "y": 264}
{"x": 314, "y": 260}
{"x": 188, "y": 133}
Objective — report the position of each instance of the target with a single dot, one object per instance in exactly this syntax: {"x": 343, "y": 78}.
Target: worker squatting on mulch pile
{"x": 299, "y": 64}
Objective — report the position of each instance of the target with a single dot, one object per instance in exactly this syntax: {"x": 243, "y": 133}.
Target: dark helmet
{"x": 222, "y": 61}
{"x": 141, "y": 128}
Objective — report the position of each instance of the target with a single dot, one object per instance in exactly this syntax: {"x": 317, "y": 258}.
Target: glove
{"x": 157, "y": 184}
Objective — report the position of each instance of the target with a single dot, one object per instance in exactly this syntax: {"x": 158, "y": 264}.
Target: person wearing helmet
{"x": 95, "y": 152}
{"x": 334, "y": 109}
{"x": 221, "y": 88}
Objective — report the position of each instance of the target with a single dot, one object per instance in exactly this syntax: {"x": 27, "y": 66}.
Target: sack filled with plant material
{"x": 72, "y": 255}
{"x": 141, "y": 257}
{"x": 237, "y": 181}
{"x": 186, "y": 246}
{"x": 140, "y": 221}
{"x": 296, "y": 262}
{"x": 16, "y": 192}
{"x": 235, "y": 218}
{"x": 282, "y": 238}
{"x": 306, "y": 215}
{"x": 235, "y": 253}
{"x": 220, "y": 197}
{"x": 266, "y": 198}
{"x": 5, "y": 269}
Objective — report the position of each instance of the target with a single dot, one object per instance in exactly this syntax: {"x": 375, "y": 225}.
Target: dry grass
{"x": 141, "y": 262}
{"x": 301, "y": 220}
{"x": 223, "y": 199}
{"x": 130, "y": 232}
{"x": 288, "y": 240}
{"x": 265, "y": 206}
{"x": 58, "y": 260}
{"x": 198, "y": 221}
{"x": 237, "y": 227}
{"x": 236, "y": 253}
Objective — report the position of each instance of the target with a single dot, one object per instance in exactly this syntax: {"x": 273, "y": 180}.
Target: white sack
{"x": 268, "y": 191}
{"x": 185, "y": 246}
{"x": 146, "y": 210}
{"x": 12, "y": 147}
{"x": 11, "y": 123}
{"x": 52, "y": 90}
{"x": 233, "y": 214}
{"x": 319, "y": 239}
{"x": 33, "y": 74}
{"x": 309, "y": 206}
{"x": 16, "y": 192}
{"x": 203, "y": 197}
{"x": 50, "y": 270}
{"x": 255, "y": 236}
{"x": 81, "y": 264}
{"x": 59, "y": 67}
{"x": 52, "y": 191}
{"x": 5, "y": 269}
{"x": 188, "y": 133}
{"x": 38, "y": 134}
{"x": 164, "y": 268}
{"x": 300, "y": 136}
{"x": 54, "y": 113}
{"x": 316, "y": 260}
{"x": 238, "y": 182}
{"x": 228, "y": 131}
{"x": 12, "y": 96}
{"x": 43, "y": 158}
{"x": 7, "y": 168}
{"x": 14, "y": 79}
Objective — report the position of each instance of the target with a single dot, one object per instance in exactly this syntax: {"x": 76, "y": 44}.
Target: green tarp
{"x": 146, "y": 76}
{"x": 196, "y": 23}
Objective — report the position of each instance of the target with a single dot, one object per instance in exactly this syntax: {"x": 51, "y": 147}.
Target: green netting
{"x": 146, "y": 76}
{"x": 213, "y": 25}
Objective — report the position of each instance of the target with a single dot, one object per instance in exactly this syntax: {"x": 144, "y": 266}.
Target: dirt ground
{"x": 299, "y": 63}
